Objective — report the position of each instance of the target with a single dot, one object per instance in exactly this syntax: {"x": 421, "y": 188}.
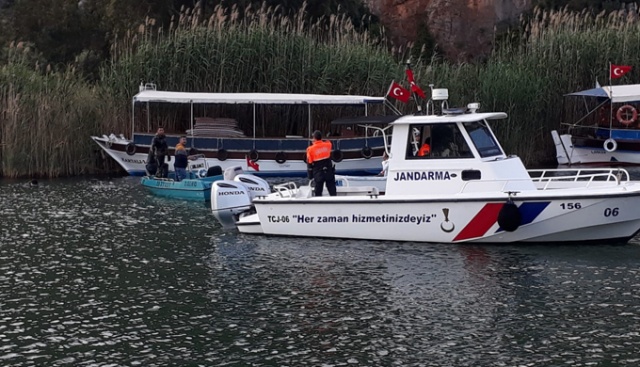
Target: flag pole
{"x": 610, "y": 103}
{"x": 413, "y": 95}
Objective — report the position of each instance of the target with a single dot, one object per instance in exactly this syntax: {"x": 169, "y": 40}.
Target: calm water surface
{"x": 100, "y": 273}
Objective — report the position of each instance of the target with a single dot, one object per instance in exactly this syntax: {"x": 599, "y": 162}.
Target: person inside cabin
{"x": 181, "y": 159}
{"x": 160, "y": 149}
{"x": 319, "y": 165}
{"x": 385, "y": 165}
{"x": 425, "y": 149}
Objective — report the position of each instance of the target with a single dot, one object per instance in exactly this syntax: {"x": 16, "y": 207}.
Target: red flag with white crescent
{"x": 618, "y": 71}
{"x": 414, "y": 87}
{"x": 252, "y": 164}
{"x": 398, "y": 92}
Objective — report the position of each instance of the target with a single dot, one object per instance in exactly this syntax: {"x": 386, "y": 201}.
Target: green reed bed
{"x": 263, "y": 52}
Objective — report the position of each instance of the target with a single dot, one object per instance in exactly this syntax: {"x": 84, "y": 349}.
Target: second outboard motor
{"x": 256, "y": 185}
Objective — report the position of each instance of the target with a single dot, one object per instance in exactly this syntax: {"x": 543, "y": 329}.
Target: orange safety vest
{"x": 321, "y": 149}
{"x": 424, "y": 150}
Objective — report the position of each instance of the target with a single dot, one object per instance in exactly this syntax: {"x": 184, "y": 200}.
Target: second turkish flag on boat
{"x": 619, "y": 70}
{"x": 414, "y": 87}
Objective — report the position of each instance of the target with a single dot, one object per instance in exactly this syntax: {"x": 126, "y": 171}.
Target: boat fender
{"x": 223, "y": 154}
{"x": 130, "y": 149}
{"x": 254, "y": 155}
{"x": 281, "y": 157}
{"x": 366, "y": 152}
{"x": 337, "y": 155}
{"x": 509, "y": 217}
{"x": 627, "y": 114}
{"x": 610, "y": 145}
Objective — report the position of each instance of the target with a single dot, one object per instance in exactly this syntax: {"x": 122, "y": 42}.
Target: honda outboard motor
{"x": 232, "y": 172}
{"x": 234, "y": 194}
{"x": 256, "y": 185}
{"x": 228, "y": 199}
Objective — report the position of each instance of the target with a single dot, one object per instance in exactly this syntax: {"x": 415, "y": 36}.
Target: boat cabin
{"x": 454, "y": 152}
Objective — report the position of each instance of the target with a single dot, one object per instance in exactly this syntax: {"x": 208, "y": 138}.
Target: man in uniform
{"x": 319, "y": 165}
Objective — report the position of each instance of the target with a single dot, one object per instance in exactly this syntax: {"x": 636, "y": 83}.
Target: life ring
{"x": 253, "y": 155}
{"x": 130, "y": 149}
{"x": 281, "y": 157}
{"x": 337, "y": 155}
{"x": 610, "y": 145}
{"x": 223, "y": 154}
{"x": 366, "y": 152}
{"x": 627, "y": 115}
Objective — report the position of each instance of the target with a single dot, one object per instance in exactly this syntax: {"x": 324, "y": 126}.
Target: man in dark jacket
{"x": 160, "y": 150}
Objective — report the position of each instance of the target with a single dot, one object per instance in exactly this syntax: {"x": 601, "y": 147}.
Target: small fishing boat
{"x": 265, "y": 133}
{"x": 466, "y": 189}
{"x": 196, "y": 187}
{"x": 606, "y": 133}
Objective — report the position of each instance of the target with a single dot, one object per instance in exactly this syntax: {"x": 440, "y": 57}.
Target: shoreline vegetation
{"x": 47, "y": 116}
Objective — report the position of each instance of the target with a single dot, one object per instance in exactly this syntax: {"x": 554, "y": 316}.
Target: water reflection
{"x": 99, "y": 272}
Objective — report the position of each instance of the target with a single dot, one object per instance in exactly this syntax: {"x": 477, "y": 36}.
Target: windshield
{"x": 482, "y": 139}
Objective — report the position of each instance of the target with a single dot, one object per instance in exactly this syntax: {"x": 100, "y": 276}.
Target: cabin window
{"x": 482, "y": 139}
{"x": 428, "y": 141}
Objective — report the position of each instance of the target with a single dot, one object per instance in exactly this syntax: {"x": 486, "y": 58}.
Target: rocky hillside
{"x": 463, "y": 29}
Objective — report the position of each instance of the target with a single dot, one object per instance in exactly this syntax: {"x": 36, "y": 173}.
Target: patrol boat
{"x": 466, "y": 190}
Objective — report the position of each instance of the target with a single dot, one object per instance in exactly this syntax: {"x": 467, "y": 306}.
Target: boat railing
{"x": 586, "y": 175}
{"x": 548, "y": 179}
{"x": 286, "y": 190}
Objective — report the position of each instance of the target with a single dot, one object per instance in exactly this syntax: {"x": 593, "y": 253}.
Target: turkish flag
{"x": 396, "y": 91}
{"x": 414, "y": 87}
{"x": 619, "y": 70}
{"x": 253, "y": 164}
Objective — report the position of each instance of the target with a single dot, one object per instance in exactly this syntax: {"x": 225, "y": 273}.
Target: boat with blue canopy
{"x": 607, "y": 130}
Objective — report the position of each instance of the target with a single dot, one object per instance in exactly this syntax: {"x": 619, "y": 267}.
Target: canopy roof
{"x": 365, "y": 120}
{"x": 251, "y": 98}
{"x": 616, "y": 93}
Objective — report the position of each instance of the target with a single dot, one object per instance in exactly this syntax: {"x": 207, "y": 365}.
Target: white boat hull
{"x": 567, "y": 153}
{"x": 544, "y": 218}
{"x": 134, "y": 164}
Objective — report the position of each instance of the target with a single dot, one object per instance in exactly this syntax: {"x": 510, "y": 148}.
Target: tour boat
{"x": 608, "y": 133}
{"x": 357, "y": 149}
{"x": 466, "y": 190}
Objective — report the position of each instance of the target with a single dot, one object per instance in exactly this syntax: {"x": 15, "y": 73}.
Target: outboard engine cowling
{"x": 256, "y": 185}
{"x": 229, "y": 198}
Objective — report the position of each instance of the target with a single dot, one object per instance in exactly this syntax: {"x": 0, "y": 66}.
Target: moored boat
{"x": 357, "y": 151}
{"x": 466, "y": 189}
{"x": 196, "y": 187}
{"x": 607, "y": 133}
